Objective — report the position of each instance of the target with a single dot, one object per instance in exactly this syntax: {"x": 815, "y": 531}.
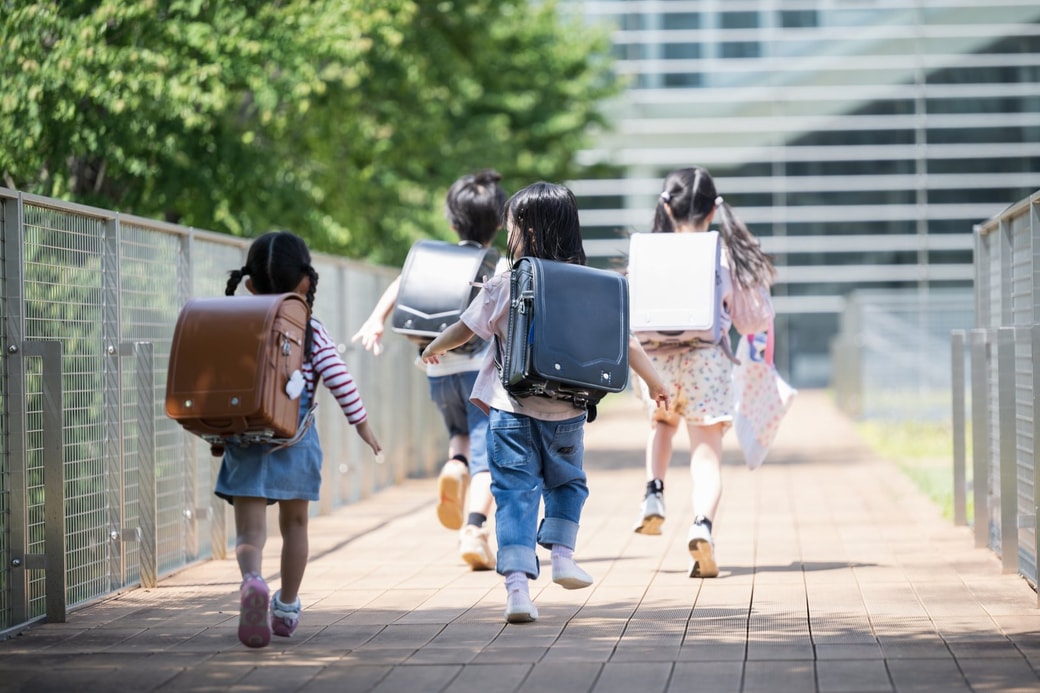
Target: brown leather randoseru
{"x": 230, "y": 361}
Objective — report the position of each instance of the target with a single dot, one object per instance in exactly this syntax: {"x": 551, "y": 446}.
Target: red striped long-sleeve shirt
{"x": 326, "y": 364}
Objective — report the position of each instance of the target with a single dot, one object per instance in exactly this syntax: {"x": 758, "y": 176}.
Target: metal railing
{"x": 890, "y": 356}
{"x": 1001, "y": 380}
{"x": 100, "y": 490}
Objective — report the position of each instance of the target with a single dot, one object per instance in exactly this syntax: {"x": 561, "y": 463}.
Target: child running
{"x": 254, "y": 476}
{"x": 473, "y": 207}
{"x": 535, "y": 448}
{"x": 699, "y": 378}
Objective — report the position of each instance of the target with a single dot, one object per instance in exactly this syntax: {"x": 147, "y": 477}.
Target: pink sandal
{"x": 254, "y": 628}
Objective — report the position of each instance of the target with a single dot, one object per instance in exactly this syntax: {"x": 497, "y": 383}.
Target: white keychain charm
{"x": 294, "y": 387}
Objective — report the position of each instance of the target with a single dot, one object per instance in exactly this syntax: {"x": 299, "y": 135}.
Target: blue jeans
{"x": 531, "y": 460}
{"x": 461, "y": 417}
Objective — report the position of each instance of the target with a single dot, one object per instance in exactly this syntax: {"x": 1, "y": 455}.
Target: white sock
{"x": 516, "y": 581}
{"x": 561, "y": 551}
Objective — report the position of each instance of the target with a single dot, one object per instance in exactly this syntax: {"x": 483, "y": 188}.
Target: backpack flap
{"x": 676, "y": 285}
{"x": 230, "y": 360}
{"x": 579, "y": 333}
{"x": 436, "y": 286}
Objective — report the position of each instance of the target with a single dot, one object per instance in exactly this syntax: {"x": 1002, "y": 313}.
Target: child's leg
{"x": 706, "y": 471}
{"x": 517, "y": 487}
{"x": 561, "y": 446}
{"x": 451, "y": 397}
{"x": 659, "y": 449}
{"x": 251, "y": 533}
{"x": 706, "y": 468}
{"x": 474, "y": 546}
{"x": 292, "y": 521}
{"x": 254, "y": 629}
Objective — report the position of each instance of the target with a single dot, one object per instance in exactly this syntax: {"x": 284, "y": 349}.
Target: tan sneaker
{"x": 474, "y": 548}
{"x": 451, "y": 487}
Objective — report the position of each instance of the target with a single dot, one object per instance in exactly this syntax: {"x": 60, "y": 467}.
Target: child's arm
{"x": 371, "y": 331}
{"x": 644, "y": 368}
{"x": 454, "y": 336}
{"x": 369, "y": 436}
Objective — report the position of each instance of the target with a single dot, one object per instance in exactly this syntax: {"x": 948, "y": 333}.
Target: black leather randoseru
{"x": 567, "y": 336}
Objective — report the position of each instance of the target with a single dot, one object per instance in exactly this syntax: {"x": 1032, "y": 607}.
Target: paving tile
{"x": 852, "y": 676}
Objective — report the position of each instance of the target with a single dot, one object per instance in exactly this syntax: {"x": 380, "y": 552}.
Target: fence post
{"x": 53, "y": 559}
{"x": 960, "y": 509}
{"x": 980, "y": 435}
{"x": 1006, "y": 447}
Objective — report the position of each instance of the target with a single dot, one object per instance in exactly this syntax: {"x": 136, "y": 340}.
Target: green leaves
{"x": 343, "y": 120}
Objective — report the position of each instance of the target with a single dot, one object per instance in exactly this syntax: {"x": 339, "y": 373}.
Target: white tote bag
{"x": 763, "y": 397}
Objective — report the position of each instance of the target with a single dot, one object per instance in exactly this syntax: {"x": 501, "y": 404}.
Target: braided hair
{"x": 276, "y": 264}
{"x": 690, "y": 195}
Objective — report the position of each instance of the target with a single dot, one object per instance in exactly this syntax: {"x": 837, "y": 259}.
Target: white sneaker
{"x": 569, "y": 575}
{"x": 451, "y": 489}
{"x": 475, "y": 549}
{"x": 520, "y": 608}
{"x": 702, "y": 552}
{"x": 651, "y": 515}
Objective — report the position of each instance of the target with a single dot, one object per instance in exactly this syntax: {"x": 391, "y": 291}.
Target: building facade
{"x": 861, "y": 140}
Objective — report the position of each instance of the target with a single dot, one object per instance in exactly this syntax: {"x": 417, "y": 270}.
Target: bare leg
{"x": 251, "y": 533}
{"x": 458, "y": 445}
{"x": 292, "y": 521}
{"x": 480, "y": 498}
{"x": 659, "y": 449}
{"x": 706, "y": 468}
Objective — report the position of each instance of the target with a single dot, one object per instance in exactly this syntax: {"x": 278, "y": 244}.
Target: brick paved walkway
{"x": 837, "y": 576}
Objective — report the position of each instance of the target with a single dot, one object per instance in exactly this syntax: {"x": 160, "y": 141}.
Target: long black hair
{"x": 543, "y": 223}
{"x": 276, "y": 264}
{"x": 690, "y": 195}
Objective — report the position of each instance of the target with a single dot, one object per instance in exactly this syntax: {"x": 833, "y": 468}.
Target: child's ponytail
{"x": 234, "y": 279}
{"x": 748, "y": 263}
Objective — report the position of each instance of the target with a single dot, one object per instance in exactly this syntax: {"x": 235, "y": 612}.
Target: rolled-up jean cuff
{"x": 513, "y": 558}
{"x": 555, "y": 530}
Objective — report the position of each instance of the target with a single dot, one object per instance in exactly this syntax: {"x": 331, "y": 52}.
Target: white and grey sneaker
{"x": 651, "y": 515}
{"x": 702, "y": 549}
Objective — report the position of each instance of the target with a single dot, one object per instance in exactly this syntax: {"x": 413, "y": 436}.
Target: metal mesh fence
{"x": 134, "y": 498}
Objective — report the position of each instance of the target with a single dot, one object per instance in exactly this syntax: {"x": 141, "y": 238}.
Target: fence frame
{"x": 1004, "y": 362}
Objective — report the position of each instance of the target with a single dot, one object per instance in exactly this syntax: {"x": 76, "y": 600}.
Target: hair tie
{"x": 719, "y": 200}
{"x": 666, "y": 196}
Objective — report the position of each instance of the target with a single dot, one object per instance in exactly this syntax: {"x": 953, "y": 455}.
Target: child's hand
{"x": 369, "y": 436}
{"x": 658, "y": 393}
{"x": 370, "y": 334}
{"x": 430, "y": 355}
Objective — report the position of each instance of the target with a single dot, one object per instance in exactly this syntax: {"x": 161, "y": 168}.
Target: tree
{"x": 344, "y": 121}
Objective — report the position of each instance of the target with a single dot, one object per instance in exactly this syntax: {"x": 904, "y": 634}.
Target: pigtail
{"x": 748, "y": 263}
{"x": 234, "y": 279}
{"x": 308, "y": 340}
{"x": 662, "y": 220}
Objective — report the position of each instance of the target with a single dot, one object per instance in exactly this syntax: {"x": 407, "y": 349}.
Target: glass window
{"x": 799, "y": 19}
{"x": 738, "y": 20}
{"x": 740, "y": 49}
{"x": 633, "y": 22}
{"x": 682, "y": 51}
{"x": 682, "y": 79}
{"x": 681, "y": 20}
